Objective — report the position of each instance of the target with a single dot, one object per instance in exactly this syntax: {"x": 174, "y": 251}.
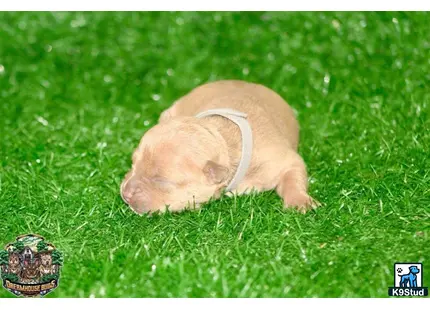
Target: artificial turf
{"x": 78, "y": 90}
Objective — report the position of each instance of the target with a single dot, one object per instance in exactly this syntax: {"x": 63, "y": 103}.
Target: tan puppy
{"x": 183, "y": 161}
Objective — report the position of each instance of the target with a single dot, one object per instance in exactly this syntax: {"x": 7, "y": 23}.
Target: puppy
{"x": 185, "y": 160}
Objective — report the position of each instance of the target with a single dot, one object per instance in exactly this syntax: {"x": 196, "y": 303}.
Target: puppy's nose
{"x": 129, "y": 189}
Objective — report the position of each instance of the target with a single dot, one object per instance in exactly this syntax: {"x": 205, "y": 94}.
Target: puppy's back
{"x": 267, "y": 111}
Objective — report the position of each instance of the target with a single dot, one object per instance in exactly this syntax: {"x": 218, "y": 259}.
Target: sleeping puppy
{"x": 193, "y": 155}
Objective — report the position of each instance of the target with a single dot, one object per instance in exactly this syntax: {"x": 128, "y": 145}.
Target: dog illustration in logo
{"x": 31, "y": 263}
{"x": 27, "y": 254}
{"x": 46, "y": 264}
{"x": 14, "y": 263}
{"x": 410, "y": 278}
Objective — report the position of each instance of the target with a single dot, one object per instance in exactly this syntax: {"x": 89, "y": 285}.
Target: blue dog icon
{"x": 410, "y": 278}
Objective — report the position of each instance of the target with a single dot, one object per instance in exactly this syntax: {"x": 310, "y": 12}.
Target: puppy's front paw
{"x": 301, "y": 201}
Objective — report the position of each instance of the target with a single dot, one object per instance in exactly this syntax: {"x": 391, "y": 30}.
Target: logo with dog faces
{"x": 30, "y": 266}
{"x": 408, "y": 280}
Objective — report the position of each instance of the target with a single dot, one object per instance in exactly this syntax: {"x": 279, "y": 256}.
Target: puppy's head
{"x": 178, "y": 164}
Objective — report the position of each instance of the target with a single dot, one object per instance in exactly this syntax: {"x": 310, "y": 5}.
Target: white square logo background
{"x": 405, "y": 270}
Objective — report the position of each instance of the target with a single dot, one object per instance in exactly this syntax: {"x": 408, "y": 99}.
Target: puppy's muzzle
{"x": 129, "y": 188}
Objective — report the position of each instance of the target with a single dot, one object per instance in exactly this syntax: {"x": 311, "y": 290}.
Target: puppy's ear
{"x": 214, "y": 172}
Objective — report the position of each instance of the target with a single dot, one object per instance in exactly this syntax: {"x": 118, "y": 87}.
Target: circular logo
{"x": 30, "y": 266}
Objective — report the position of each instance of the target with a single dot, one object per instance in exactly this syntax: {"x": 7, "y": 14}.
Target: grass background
{"x": 78, "y": 90}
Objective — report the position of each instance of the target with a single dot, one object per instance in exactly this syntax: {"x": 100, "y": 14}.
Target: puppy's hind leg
{"x": 293, "y": 186}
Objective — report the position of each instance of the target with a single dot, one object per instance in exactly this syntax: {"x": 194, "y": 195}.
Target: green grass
{"x": 78, "y": 90}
